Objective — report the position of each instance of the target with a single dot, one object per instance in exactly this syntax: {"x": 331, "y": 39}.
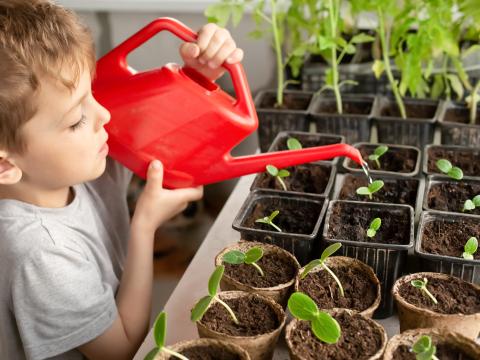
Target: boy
{"x": 70, "y": 288}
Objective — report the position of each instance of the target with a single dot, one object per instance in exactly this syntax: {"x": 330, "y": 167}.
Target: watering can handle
{"x": 116, "y": 60}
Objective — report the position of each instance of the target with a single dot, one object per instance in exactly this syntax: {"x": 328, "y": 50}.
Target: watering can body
{"x": 176, "y": 115}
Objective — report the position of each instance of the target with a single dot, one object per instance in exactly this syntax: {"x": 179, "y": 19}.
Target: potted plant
{"x": 248, "y": 320}
{"x": 382, "y": 245}
{"x": 466, "y": 158}
{"x": 433, "y": 300}
{"x": 456, "y": 125}
{"x": 274, "y": 279}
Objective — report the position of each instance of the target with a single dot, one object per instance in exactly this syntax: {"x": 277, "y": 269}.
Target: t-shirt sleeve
{"x": 60, "y": 302}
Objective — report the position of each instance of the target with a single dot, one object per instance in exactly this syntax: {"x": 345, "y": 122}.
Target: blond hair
{"x": 37, "y": 37}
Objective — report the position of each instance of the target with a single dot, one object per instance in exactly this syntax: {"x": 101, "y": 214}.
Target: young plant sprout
{"x": 377, "y": 154}
{"x": 329, "y": 251}
{"x": 447, "y": 168}
{"x": 204, "y": 303}
{"x": 323, "y": 325}
{"x": 370, "y": 189}
{"x": 470, "y": 248}
{"x": 374, "y": 226}
{"x": 422, "y": 285}
{"x": 293, "y": 144}
{"x": 269, "y": 220}
{"x": 278, "y": 174}
{"x": 471, "y": 204}
{"x": 159, "y": 334}
{"x": 250, "y": 257}
{"x": 424, "y": 348}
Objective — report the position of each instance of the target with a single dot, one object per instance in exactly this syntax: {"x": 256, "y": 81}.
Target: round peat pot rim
{"x": 337, "y": 311}
{"x": 416, "y": 309}
{"x": 446, "y": 147}
{"x": 353, "y": 98}
{"x": 183, "y": 345}
{"x": 386, "y": 101}
{"x": 375, "y": 245}
{"x": 336, "y": 261}
{"x": 430, "y": 216}
{"x": 268, "y": 248}
{"x": 279, "y": 312}
{"x": 347, "y": 161}
{"x": 449, "y": 105}
{"x": 409, "y": 337}
{"x": 262, "y": 93}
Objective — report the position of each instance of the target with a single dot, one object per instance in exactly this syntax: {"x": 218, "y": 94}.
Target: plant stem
{"x": 474, "y": 102}
{"x": 173, "y": 353}
{"x": 430, "y": 295}
{"x": 386, "y": 60}
{"x": 275, "y": 226}
{"x": 333, "y": 29}
{"x": 378, "y": 163}
{"x": 278, "y": 52}
{"x": 334, "y": 277}
{"x": 228, "y": 309}
{"x": 445, "y": 77}
{"x": 258, "y": 268}
{"x": 282, "y": 183}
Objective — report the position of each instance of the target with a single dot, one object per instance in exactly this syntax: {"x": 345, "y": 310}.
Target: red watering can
{"x": 176, "y": 115}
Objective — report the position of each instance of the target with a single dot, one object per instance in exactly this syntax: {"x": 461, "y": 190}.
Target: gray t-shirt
{"x": 60, "y": 268}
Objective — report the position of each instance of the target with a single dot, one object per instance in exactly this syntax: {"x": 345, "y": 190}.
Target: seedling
{"x": 293, "y": 144}
{"x": 329, "y": 251}
{"x": 278, "y": 174}
{"x": 269, "y": 220}
{"x": 370, "y": 189}
{"x": 204, "y": 303}
{"x": 470, "y": 248}
{"x": 374, "y": 226}
{"x": 424, "y": 348}
{"x": 250, "y": 257}
{"x": 471, "y": 204}
{"x": 159, "y": 334}
{"x": 447, "y": 168}
{"x": 377, "y": 154}
{"x": 422, "y": 285}
{"x": 323, "y": 325}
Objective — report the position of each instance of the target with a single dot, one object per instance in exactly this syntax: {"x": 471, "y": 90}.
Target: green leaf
{"x": 363, "y": 191}
{"x": 456, "y": 173}
{"x": 456, "y": 85}
{"x": 373, "y": 157}
{"x": 309, "y": 267}
{"x": 253, "y": 255}
{"x": 375, "y": 186}
{"x": 293, "y": 144}
{"x": 234, "y": 257}
{"x": 375, "y": 224}
{"x": 272, "y": 170}
{"x": 471, "y": 246}
{"x": 152, "y": 354}
{"x": 200, "y": 308}
{"x": 330, "y": 250}
{"x": 476, "y": 200}
{"x": 371, "y": 233}
{"x": 417, "y": 283}
{"x": 468, "y": 206}
{"x": 350, "y": 49}
{"x": 273, "y": 215}
{"x": 326, "y": 328}
{"x": 362, "y": 38}
{"x": 214, "y": 281}
{"x": 380, "y": 150}
{"x": 283, "y": 173}
{"x": 444, "y": 165}
{"x": 160, "y": 329}
{"x": 422, "y": 344}
{"x": 378, "y": 68}
{"x": 302, "y": 306}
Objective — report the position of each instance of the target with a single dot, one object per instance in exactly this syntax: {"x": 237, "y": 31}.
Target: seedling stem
{"x": 269, "y": 220}
{"x": 422, "y": 285}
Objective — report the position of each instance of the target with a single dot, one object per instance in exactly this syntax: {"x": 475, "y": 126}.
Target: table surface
{"x": 193, "y": 284}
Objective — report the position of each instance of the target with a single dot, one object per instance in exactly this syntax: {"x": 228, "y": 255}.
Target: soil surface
{"x": 360, "y": 292}
{"x": 414, "y": 111}
{"x": 448, "y": 237}
{"x": 451, "y": 196}
{"x": 309, "y": 178}
{"x": 444, "y": 352}
{"x": 467, "y": 160}
{"x": 207, "y": 353}
{"x": 395, "y": 191}
{"x": 308, "y": 141}
{"x": 453, "y": 295}
{"x": 297, "y": 101}
{"x": 349, "y": 107}
{"x": 460, "y": 115}
{"x": 358, "y": 340}
{"x": 298, "y": 217}
{"x": 398, "y": 160}
{"x": 277, "y": 270}
{"x": 255, "y": 317}
{"x": 350, "y": 222}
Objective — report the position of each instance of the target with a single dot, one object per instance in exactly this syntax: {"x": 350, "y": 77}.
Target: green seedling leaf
{"x": 293, "y": 144}
{"x": 310, "y": 266}
{"x": 446, "y": 167}
{"x": 470, "y": 248}
{"x": 214, "y": 281}
{"x": 456, "y": 173}
{"x": 422, "y": 285}
{"x": 374, "y": 226}
{"x": 378, "y": 68}
{"x": 363, "y": 191}
{"x": 253, "y": 255}
{"x": 470, "y": 205}
{"x": 160, "y": 329}
{"x": 269, "y": 220}
{"x": 330, "y": 250}
{"x": 234, "y": 257}
{"x": 302, "y": 306}
{"x": 362, "y": 38}
{"x": 152, "y": 354}
{"x": 250, "y": 257}
{"x": 424, "y": 348}
{"x": 370, "y": 189}
{"x": 201, "y": 308}
{"x": 476, "y": 200}
{"x": 272, "y": 170}
{"x": 278, "y": 174}
{"x": 377, "y": 154}
{"x": 283, "y": 173}
{"x": 273, "y": 215}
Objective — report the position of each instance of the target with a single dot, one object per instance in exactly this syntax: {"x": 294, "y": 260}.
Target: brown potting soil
{"x": 360, "y": 292}
{"x": 453, "y": 296}
{"x": 349, "y": 107}
{"x": 310, "y": 178}
{"x": 350, "y": 222}
{"x": 398, "y": 160}
{"x": 255, "y": 317}
{"x": 460, "y": 115}
{"x": 448, "y": 237}
{"x": 207, "y": 353}
{"x": 451, "y": 196}
{"x": 467, "y": 160}
{"x": 395, "y": 191}
{"x": 297, "y": 101}
{"x": 309, "y": 141}
{"x": 277, "y": 270}
{"x": 444, "y": 352}
{"x": 414, "y": 111}
{"x": 359, "y": 340}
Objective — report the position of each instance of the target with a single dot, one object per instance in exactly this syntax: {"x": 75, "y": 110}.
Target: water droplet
{"x": 366, "y": 170}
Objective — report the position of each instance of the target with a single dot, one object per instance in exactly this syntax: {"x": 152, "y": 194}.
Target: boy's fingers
{"x": 204, "y": 35}
{"x": 189, "y": 51}
{"x": 190, "y": 194}
{"x": 225, "y": 51}
{"x": 235, "y": 57}
{"x": 155, "y": 174}
{"x": 216, "y": 42}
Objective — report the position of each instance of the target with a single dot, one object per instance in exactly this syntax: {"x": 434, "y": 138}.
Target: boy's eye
{"x": 79, "y": 123}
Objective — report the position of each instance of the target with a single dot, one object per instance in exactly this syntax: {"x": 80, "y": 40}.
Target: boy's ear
{"x": 9, "y": 172}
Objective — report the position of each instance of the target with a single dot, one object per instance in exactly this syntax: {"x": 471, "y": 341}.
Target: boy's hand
{"x": 156, "y": 205}
{"x": 213, "y": 47}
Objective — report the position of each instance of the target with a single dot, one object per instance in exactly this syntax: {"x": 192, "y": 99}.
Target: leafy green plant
{"x": 250, "y": 257}
{"x": 293, "y": 144}
{"x": 323, "y": 325}
{"x": 204, "y": 303}
{"x": 422, "y": 285}
{"x": 279, "y": 175}
{"x": 159, "y": 334}
{"x": 472, "y": 204}
{"x": 370, "y": 189}
{"x": 447, "y": 168}
{"x": 374, "y": 227}
{"x": 472, "y": 103}
{"x": 470, "y": 248}
{"x": 377, "y": 154}
{"x": 269, "y": 220}
{"x": 424, "y": 348}
{"x": 329, "y": 251}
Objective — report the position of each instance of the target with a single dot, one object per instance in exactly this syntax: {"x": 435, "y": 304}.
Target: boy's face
{"x": 66, "y": 140}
